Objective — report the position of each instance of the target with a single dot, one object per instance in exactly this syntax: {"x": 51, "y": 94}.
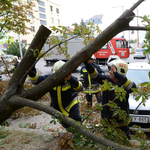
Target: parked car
{"x": 139, "y": 53}
{"x": 8, "y": 57}
{"x": 138, "y": 73}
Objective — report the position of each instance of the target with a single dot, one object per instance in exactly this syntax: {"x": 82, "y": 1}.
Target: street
{"x": 43, "y": 69}
{"x": 41, "y": 65}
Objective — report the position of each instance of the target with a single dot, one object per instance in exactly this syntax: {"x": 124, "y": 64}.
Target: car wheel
{"x": 134, "y": 57}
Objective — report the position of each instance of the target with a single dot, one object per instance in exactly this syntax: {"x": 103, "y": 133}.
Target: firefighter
{"x": 16, "y": 63}
{"x": 64, "y": 96}
{"x": 91, "y": 87}
{"x": 117, "y": 75}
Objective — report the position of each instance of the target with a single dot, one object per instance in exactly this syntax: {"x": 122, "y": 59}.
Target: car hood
{"x": 133, "y": 104}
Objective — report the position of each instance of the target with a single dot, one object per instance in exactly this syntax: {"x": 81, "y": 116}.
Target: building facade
{"x": 45, "y": 13}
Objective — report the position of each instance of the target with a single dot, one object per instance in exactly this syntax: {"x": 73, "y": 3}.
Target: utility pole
{"x": 122, "y": 12}
{"x": 137, "y": 31}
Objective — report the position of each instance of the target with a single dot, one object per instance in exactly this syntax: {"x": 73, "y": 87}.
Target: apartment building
{"x": 46, "y": 13}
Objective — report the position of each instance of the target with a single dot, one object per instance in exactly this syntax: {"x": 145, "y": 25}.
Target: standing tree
{"x": 14, "y": 16}
{"x": 16, "y": 97}
{"x": 13, "y": 48}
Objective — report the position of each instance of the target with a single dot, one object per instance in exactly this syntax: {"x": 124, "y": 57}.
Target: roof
{"x": 97, "y": 19}
{"x": 139, "y": 66}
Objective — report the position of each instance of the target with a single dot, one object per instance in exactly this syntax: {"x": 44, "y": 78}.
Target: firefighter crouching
{"x": 64, "y": 96}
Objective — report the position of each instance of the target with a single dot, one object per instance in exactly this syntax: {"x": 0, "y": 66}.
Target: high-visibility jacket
{"x": 65, "y": 95}
{"x": 14, "y": 67}
{"x": 107, "y": 96}
{"x": 90, "y": 85}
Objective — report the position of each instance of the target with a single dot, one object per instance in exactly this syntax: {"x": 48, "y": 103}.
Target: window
{"x": 24, "y": 43}
{"x": 121, "y": 44}
{"x": 57, "y": 10}
{"x": 51, "y": 8}
{"x": 43, "y": 22}
{"x": 41, "y": 3}
{"x": 58, "y": 21}
{"x": 105, "y": 46}
{"x": 32, "y": 28}
{"x": 42, "y": 9}
{"x": 42, "y": 16}
{"x": 52, "y": 20}
{"x": 30, "y": 15}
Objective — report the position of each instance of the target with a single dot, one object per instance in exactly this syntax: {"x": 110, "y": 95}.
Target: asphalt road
{"x": 41, "y": 66}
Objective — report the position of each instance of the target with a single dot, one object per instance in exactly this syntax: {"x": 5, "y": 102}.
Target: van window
{"x": 105, "y": 46}
{"x": 121, "y": 44}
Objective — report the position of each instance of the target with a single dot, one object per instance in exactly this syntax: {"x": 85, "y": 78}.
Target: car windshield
{"x": 139, "y": 50}
{"x": 138, "y": 76}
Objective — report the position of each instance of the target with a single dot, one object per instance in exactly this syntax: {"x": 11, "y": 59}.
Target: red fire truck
{"x": 115, "y": 48}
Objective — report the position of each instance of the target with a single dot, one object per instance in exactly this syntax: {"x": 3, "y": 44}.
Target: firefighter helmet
{"x": 121, "y": 65}
{"x": 93, "y": 57}
{"x": 57, "y": 65}
{"x": 15, "y": 58}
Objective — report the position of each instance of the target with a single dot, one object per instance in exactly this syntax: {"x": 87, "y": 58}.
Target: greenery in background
{"x": 133, "y": 41}
{"x": 13, "y": 48}
{"x": 14, "y": 16}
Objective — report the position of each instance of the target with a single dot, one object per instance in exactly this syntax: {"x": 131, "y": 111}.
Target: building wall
{"x": 40, "y": 16}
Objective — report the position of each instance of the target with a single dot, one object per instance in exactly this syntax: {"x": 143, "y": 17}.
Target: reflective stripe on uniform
{"x": 89, "y": 78}
{"x": 72, "y": 103}
{"x": 79, "y": 88}
{"x": 60, "y": 101}
{"x": 33, "y": 78}
{"x": 128, "y": 85}
{"x": 94, "y": 74}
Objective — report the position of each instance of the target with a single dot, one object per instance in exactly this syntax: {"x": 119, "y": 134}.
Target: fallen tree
{"x": 16, "y": 97}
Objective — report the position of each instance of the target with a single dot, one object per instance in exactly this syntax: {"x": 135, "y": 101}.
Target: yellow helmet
{"x": 121, "y": 65}
{"x": 57, "y": 65}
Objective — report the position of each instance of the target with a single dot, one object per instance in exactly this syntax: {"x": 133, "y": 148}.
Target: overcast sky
{"x": 74, "y": 10}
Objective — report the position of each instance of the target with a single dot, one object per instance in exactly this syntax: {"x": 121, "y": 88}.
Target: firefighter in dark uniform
{"x": 64, "y": 96}
{"x": 91, "y": 87}
{"x": 117, "y": 76}
{"x": 16, "y": 63}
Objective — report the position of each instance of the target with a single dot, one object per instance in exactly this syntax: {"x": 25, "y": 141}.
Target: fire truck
{"x": 115, "y": 48}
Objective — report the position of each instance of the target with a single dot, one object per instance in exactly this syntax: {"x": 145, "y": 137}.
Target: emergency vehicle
{"x": 115, "y": 48}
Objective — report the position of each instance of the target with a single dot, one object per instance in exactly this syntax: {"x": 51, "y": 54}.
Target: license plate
{"x": 140, "y": 119}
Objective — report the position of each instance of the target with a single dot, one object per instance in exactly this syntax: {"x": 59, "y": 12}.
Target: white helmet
{"x": 57, "y": 65}
{"x": 93, "y": 57}
{"x": 121, "y": 65}
{"x": 15, "y": 58}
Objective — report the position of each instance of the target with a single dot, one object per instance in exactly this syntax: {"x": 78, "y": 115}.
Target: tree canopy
{"x": 14, "y": 15}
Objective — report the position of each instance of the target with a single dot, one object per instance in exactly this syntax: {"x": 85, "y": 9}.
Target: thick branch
{"x": 136, "y": 5}
{"x": 76, "y": 60}
{"x": 49, "y": 110}
{"x": 135, "y": 28}
{"x": 19, "y": 76}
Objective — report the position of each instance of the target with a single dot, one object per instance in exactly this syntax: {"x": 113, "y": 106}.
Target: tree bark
{"x": 16, "y": 97}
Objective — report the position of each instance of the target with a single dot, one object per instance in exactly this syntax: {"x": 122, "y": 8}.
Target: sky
{"x": 74, "y": 10}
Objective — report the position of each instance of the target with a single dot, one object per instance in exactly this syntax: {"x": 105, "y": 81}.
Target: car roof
{"x": 139, "y": 66}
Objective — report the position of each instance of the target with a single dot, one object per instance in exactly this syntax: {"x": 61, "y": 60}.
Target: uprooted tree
{"x": 16, "y": 97}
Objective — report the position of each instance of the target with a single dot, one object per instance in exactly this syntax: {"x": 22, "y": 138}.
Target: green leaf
{"x": 137, "y": 98}
{"x": 144, "y": 83}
